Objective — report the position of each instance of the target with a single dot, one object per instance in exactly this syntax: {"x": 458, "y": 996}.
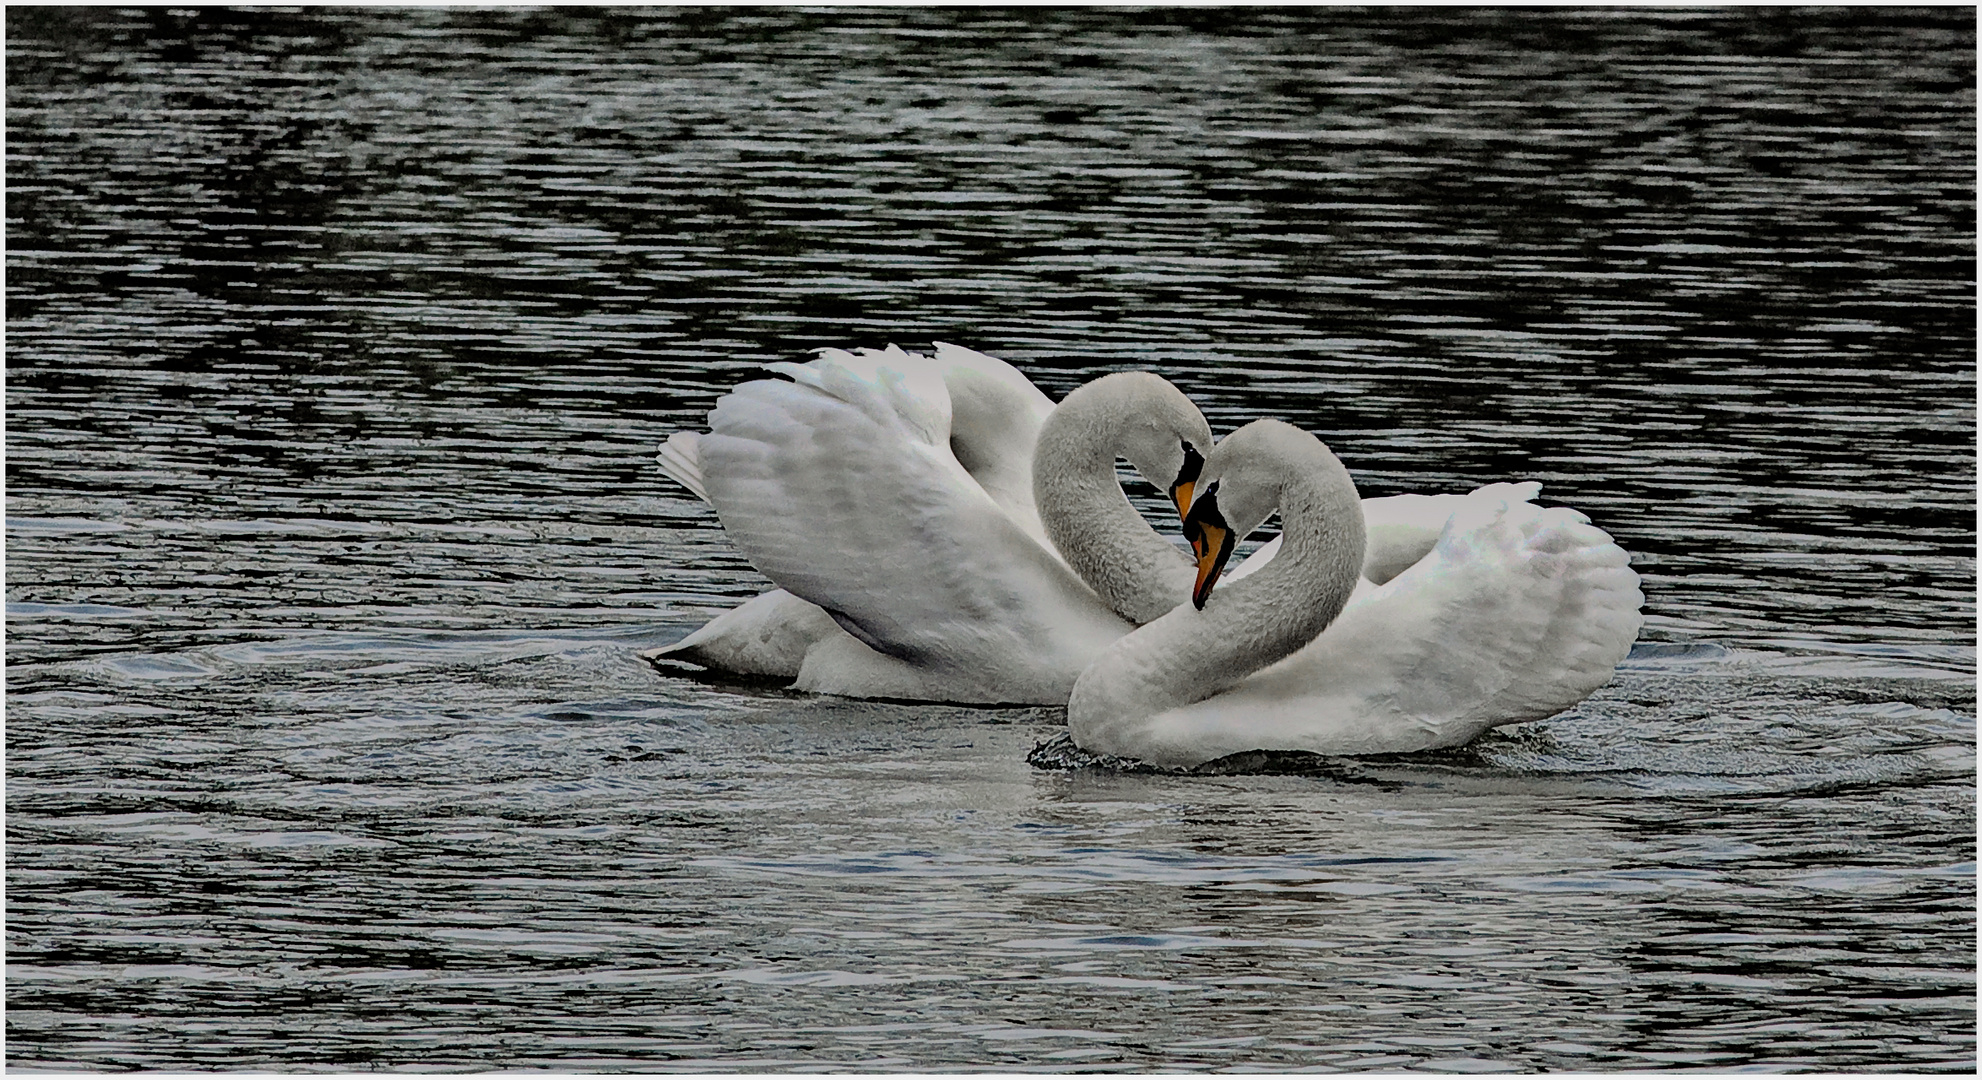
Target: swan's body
{"x": 893, "y": 496}
{"x": 1516, "y": 613}
{"x": 998, "y": 422}
{"x": 847, "y": 487}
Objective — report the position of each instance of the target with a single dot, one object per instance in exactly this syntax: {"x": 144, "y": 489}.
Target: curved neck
{"x": 1088, "y": 517}
{"x": 1190, "y": 655}
{"x": 1268, "y": 615}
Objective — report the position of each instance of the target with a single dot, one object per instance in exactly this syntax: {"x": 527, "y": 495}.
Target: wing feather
{"x": 681, "y": 460}
{"x": 840, "y": 486}
{"x": 1516, "y": 613}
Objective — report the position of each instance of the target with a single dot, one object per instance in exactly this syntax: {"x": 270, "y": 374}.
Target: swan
{"x": 892, "y": 500}
{"x": 1049, "y": 469}
{"x": 996, "y": 414}
{"x": 1516, "y": 613}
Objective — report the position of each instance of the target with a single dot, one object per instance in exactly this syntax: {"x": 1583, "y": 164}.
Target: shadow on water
{"x": 1061, "y": 752}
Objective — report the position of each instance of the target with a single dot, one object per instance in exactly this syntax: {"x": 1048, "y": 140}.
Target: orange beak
{"x": 1212, "y": 544}
{"x": 1185, "y": 486}
{"x": 1180, "y": 495}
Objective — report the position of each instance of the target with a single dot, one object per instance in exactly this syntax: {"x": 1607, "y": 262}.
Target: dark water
{"x": 339, "y": 343}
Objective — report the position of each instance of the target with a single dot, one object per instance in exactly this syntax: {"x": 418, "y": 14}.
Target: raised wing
{"x": 1400, "y": 530}
{"x": 1516, "y": 613}
{"x": 992, "y": 410}
{"x": 995, "y": 416}
{"x": 1592, "y": 623}
{"x": 841, "y": 487}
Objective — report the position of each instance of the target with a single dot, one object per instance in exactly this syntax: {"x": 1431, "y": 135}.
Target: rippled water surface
{"x": 339, "y": 343}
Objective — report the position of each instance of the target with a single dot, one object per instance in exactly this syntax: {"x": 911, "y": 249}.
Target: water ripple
{"x": 339, "y": 341}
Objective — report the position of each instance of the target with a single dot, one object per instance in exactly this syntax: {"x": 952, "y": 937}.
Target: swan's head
{"x": 1154, "y": 425}
{"x": 1245, "y": 479}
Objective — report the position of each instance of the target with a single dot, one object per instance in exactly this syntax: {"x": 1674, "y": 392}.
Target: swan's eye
{"x": 1193, "y": 465}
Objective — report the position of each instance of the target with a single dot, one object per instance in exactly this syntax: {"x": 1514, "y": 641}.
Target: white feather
{"x": 842, "y": 488}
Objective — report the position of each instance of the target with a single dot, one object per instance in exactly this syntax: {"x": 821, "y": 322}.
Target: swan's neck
{"x": 1190, "y": 655}
{"x": 1088, "y": 517}
{"x": 1291, "y": 600}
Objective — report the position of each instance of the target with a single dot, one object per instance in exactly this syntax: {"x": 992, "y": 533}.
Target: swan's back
{"x": 1517, "y": 613}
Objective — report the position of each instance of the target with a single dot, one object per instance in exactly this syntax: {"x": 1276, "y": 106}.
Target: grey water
{"x": 339, "y": 342}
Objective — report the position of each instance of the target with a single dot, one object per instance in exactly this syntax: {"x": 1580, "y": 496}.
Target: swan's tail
{"x": 681, "y": 460}
{"x": 767, "y": 636}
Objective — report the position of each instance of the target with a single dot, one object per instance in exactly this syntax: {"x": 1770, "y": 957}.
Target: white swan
{"x": 1516, "y": 613}
{"x": 848, "y": 487}
{"x": 997, "y": 420}
{"x": 995, "y": 415}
